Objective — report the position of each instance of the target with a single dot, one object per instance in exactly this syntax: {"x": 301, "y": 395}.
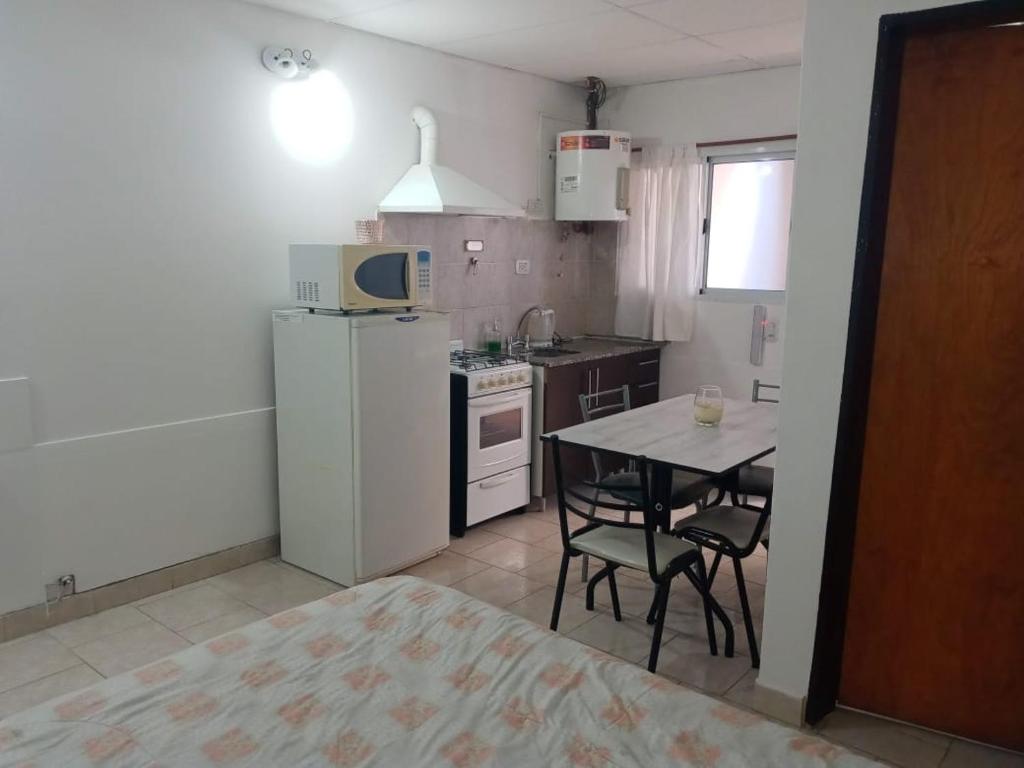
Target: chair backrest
{"x": 580, "y": 499}
{"x": 605, "y": 403}
{"x": 758, "y": 386}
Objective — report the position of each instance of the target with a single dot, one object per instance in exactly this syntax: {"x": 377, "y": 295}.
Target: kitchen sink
{"x": 552, "y": 352}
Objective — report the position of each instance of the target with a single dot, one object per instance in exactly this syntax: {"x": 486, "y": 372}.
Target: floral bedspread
{"x": 398, "y": 673}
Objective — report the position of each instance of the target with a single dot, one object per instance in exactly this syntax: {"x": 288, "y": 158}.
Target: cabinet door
{"x": 563, "y": 385}
{"x": 645, "y": 371}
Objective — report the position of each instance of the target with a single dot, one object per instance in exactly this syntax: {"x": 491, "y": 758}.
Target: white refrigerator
{"x": 362, "y": 440}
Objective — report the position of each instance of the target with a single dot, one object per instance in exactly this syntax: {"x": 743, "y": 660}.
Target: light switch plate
{"x": 522, "y": 266}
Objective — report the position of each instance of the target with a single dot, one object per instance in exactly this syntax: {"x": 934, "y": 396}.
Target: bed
{"x": 398, "y": 672}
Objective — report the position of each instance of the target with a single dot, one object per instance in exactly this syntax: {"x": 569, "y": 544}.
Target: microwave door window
{"x": 384, "y": 276}
{"x": 500, "y": 428}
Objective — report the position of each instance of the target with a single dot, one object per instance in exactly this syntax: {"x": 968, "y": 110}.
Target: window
{"x": 746, "y": 222}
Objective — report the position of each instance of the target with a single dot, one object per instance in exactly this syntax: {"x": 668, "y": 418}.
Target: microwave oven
{"x": 355, "y": 277}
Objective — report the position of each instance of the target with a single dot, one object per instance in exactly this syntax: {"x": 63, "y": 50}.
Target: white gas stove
{"x": 490, "y": 445}
{"x": 489, "y": 372}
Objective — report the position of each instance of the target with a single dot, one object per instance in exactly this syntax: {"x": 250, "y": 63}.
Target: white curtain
{"x": 656, "y": 276}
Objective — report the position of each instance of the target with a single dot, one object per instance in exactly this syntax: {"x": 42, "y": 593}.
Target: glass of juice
{"x": 708, "y": 405}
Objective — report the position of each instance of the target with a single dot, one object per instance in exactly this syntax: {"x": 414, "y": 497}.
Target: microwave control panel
{"x": 424, "y": 289}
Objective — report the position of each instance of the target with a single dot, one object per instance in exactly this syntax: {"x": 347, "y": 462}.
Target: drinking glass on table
{"x": 708, "y": 405}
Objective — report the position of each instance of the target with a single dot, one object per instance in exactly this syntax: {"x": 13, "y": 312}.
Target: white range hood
{"x": 431, "y": 188}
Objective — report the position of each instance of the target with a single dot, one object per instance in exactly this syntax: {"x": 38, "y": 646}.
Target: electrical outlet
{"x": 63, "y": 587}
{"x": 522, "y": 266}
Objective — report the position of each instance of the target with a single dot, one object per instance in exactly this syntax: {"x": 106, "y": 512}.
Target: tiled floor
{"x": 74, "y": 655}
{"x": 510, "y": 562}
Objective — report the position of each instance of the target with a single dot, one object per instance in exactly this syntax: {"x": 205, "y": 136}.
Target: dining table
{"x": 668, "y": 437}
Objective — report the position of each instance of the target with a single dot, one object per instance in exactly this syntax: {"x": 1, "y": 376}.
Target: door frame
{"x": 833, "y": 600}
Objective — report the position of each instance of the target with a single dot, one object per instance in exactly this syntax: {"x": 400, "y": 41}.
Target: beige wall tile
{"x": 25, "y": 622}
{"x": 116, "y": 594}
{"x": 561, "y": 262}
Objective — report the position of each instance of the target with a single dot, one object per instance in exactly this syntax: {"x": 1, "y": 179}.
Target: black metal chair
{"x": 753, "y": 479}
{"x": 687, "y": 487}
{"x": 638, "y": 546}
{"x": 733, "y": 532}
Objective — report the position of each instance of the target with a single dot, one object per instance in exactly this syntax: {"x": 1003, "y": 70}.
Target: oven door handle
{"x": 510, "y": 399}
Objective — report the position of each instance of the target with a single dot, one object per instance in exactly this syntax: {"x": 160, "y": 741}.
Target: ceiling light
{"x": 285, "y": 64}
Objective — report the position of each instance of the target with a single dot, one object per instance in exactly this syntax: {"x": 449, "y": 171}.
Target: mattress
{"x": 399, "y": 672}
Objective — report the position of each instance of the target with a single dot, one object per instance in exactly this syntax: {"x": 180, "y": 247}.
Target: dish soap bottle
{"x": 492, "y": 337}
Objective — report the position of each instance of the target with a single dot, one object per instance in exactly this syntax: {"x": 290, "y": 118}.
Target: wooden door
{"x": 935, "y": 622}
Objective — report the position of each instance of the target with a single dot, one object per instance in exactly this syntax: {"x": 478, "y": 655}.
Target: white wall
{"x": 145, "y": 210}
{"x": 738, "y": 106}
{"x": 835, "y": 98}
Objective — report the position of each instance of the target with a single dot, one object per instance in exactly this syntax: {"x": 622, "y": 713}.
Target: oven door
{"x": 498, "y": 433}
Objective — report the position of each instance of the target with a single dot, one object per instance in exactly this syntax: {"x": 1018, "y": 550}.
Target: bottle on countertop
{"x": 492, "y": 336}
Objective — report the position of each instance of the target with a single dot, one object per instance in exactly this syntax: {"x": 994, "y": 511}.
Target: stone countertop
{"x": 594, "y": 348}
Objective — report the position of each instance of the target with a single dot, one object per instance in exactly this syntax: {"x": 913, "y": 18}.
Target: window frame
{"x": 735, "y": 153}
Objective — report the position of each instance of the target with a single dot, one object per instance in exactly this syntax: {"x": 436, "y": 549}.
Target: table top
{"x": 666, "y": 432}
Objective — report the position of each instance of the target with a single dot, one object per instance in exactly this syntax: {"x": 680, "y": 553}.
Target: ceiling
{"x": 625, "y": 42}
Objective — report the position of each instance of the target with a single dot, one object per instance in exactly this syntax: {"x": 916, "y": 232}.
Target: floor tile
{"x": 131, "y": 648}
{"x": 193, "y": 607}
{"x": 165, "y": 593}
{"x": 271, "y": 588}
{"x": 686, "y": 659}
{"x": 629, "y": 639}
{"x": 474, "y": 539}
{"x": 498, "y": 587}
{"x": 446, "y": 568}
{"x": 200, "y": 633}
{"x": 100, "y": 625}
{"x": 731, "y": 599}
{"x": 898, "y": 744}
{"x": 743, "y": 691}
{"x": 963, "y": 754}
{"x": 546, "y": 571}
{"x": 30, "y": 658}
{"x": 552, "y": 544}
{"x": 537, "y": 608}
{"x": 510, "y": 554}
{"x": 28, "y": 695}
{"x": 527, "y": 527}
{"x": 315, "y": 578}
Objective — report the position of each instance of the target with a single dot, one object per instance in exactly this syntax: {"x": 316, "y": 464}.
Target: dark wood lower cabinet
{"x": 563, "y": 385}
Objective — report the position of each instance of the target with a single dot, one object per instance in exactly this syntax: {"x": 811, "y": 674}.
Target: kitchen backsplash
{"x": 572, "y": 272}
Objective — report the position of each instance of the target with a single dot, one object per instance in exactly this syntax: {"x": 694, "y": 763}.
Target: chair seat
{"x": 754, "y": 480}
{"x": 626, "y": 547}
{"x": 687, "y": 487}
{"x": 733, "y": 524}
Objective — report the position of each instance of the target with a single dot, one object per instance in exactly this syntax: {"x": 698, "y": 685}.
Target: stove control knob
{"x": 502, "y": 381}
{"x": 482, "y": 384}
